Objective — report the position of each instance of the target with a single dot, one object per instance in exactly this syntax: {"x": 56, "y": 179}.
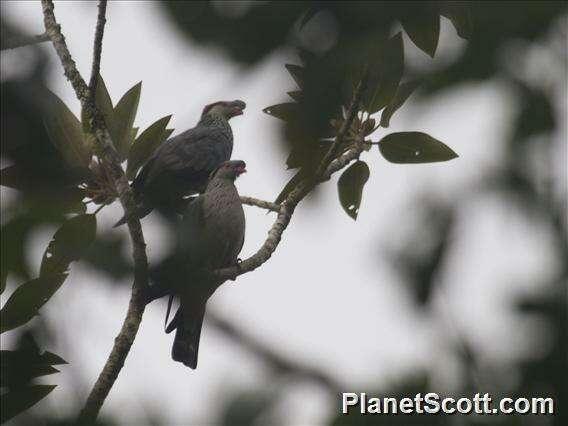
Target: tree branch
{"x": 350, "y": 116}
{"x": 97, "y": 49}
{"x": 111, "y": 162}
{"x": 23, "y": 40}
{"x": 279, "y": 363}
{"x": 268, "y": 205}
{"x": 302, "y": 189}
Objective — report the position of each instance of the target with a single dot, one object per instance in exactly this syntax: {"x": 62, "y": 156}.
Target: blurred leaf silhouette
{"x": 19, "y": 368}
{"x": 419, "y": 259}
{"x": 350, "y": 186}
{"x": 414, "y": 147}
{"x": 27, "y": 299}
{"x": 145, "y": 145}
{"x": 52, "y": 181}
{"x": 69, "y": 243}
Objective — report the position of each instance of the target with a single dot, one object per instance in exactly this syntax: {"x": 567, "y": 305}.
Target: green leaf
{"x": 19, "y": 367}
{"x": 123, "y": 119}
{"x": 107, "y": 255}
{"x": 17, "y": 401}
{"x": 536, "y": 116}
{"x": 145, "y": 145}
{"x": 423, "y": 28}
{"x": 287, "y": 111}
{"x": 103, "y": 99}
{"x": 66, "y": 133}
{"x": 307, "y": 154}
{"x": 67, "y": 199}
{"x": 13, "y": 236}
{"x": 298, "y": 73}
{"x": 297, "y": 178}
{"x": 295, "y": 95}
{"x": 31, "y": 372}
{"x": 73, "y": 206}
{"x": 27, "y": 299}
{"x": 299, "y": 155}
{"x": 403, "y": 92}
{"x": 391, "y": 70}
{"x": 69, "y": 243}
{"x": 52, "y": 359}
{"x": 350, "y": 187}
{"x": 414, "y": 147}
{"x": 104, "y": 105}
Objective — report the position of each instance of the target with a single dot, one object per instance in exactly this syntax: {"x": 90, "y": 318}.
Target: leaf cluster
{"x": 18, "y": 370}
{"x": 379, "y": 62}
{"x": 86, "y": 182}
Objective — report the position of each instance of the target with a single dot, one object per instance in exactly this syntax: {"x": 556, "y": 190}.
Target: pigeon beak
{"x": 236, "y": 111}
{"x": 237, "y": 108}
{"x": 241, "y": 170}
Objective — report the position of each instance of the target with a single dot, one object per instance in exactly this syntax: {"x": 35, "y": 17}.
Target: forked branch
{"x": 110, "y": 161}
{"x": 326, "y": 169}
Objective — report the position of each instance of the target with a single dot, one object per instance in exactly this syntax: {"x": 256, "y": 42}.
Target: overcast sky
{"x": 327, "y": 297}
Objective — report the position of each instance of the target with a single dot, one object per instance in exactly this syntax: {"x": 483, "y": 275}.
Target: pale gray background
{"x": 327, "y": 297}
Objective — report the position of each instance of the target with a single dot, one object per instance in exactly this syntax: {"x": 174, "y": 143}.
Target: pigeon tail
{"x": 187, "y": 323}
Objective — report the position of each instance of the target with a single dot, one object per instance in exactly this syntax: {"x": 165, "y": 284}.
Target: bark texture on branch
{"x": 288, "y": 206}
{"x": 110, "y": 161}
{"x": 350, "y": 116}
{"x": 97, "y": 50}
{"x": 285, "y": 214}
{"x": 23, "y": 40}
{"x": 267, "y": 205}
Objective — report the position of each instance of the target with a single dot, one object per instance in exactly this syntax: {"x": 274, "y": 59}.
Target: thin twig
{"x": 268, "y": 205}
{"x": 97, "y": 50}
{"x": 344, "y": 159}
{"x": 110, "y": 161}
{"x": 279, "y": 363}
{"x": 23, "y": 40}
{"x": 295, "y": 196}
{"x": 350, "y": 116}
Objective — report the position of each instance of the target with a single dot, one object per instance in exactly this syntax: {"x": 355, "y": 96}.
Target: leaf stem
{"x": 351, "y": 114}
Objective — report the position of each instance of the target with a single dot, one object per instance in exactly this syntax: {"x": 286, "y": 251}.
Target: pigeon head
{"x": 230, "y": 170}
{"x": 226, "y": 109}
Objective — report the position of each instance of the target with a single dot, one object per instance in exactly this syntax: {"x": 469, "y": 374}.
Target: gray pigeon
{"x": 210, "y": 237}
{"x": 181, "y": 166}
